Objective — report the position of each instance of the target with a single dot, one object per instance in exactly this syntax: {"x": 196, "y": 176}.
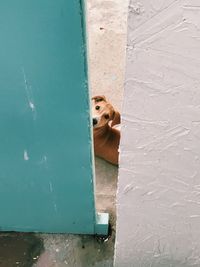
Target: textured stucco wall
{"x": 158, "y": 199}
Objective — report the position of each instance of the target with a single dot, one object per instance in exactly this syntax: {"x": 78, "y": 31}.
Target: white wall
{"x": 158, "y": 199}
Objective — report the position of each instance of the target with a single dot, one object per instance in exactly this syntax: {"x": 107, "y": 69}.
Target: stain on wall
{"x": 158, "y": 200}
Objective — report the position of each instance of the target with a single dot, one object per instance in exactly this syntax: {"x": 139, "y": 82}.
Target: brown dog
{"x": 106, "y": 138}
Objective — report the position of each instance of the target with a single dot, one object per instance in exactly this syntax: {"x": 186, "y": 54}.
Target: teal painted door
{"x": 46, "y": 164}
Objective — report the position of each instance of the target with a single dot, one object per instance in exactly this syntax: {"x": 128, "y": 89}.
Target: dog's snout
{"x": 94, "y": 121}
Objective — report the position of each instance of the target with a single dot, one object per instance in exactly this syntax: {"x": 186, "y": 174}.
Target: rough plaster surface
{"x": 158, "y": 200}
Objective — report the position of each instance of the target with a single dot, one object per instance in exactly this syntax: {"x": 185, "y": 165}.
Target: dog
{"x": 106, "y": 137}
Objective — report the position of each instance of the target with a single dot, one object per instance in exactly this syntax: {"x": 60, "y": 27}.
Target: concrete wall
{"x": 158, "y": 199}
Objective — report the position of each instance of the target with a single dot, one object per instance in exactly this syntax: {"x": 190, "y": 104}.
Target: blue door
{"x": 46, "y": 160}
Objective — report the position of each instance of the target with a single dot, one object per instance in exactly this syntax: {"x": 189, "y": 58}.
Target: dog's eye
{"x": 97, "y": 107}
{"x": 106, "y": 116}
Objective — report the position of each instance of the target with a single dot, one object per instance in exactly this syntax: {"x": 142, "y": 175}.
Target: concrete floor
{"x": 107, "y": 38}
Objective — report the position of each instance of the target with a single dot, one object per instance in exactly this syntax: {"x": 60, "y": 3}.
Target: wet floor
{"x": 54, "y": 250}
{"x": 17, "y": 249}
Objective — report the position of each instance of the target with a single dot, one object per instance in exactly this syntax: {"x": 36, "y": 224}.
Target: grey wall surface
{"x": 158, "y": 199}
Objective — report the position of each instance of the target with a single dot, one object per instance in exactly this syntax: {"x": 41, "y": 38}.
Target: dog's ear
{"x": 116, "y": 118}
{"x": 99, "y": 98}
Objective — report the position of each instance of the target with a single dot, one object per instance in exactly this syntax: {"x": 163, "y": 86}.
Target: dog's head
{"x": 102, "y": 111}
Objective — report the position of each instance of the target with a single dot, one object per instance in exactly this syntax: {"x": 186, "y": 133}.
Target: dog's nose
{"x": 94, "y": 122}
